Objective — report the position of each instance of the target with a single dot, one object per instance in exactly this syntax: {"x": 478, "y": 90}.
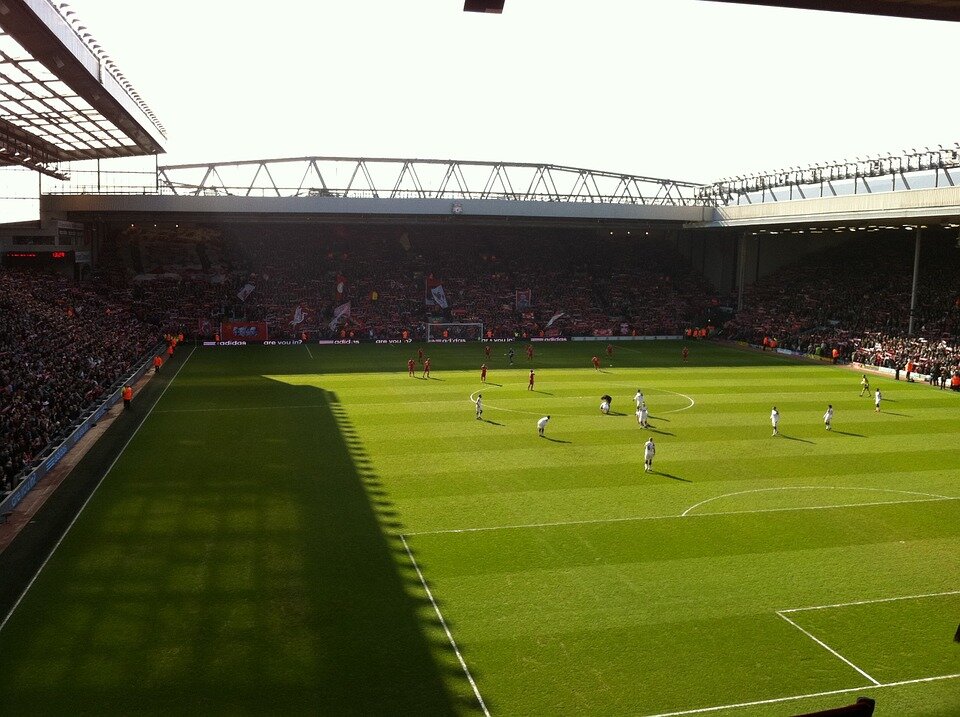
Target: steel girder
{"x": 420, "y": 179}
{"x": 863, "y": 175}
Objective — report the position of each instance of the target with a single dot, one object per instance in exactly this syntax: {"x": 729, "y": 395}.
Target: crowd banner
{"x": 252, "y": 331}
{"x": 27, "y": 484}
{"x": 626, "y": 338}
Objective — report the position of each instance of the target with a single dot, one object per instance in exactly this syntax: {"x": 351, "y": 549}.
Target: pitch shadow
{"x": 492, "y": 423}
{"x": 555, "y": 440}
{"x": 672, "y": 477}
{"x": 847, "y": 433}
{"x": 794, "y": 438}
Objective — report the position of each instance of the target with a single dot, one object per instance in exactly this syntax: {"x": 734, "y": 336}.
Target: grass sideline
{"x": 245, "y": 553}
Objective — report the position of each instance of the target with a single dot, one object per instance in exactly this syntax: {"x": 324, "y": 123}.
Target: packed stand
{"x": 854, "y": 299}
{"x": 62, "y": 346}
{"x": 600, "y": 286}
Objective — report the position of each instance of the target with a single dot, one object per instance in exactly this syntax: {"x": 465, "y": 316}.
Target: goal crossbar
{"x": 454, "y": 332}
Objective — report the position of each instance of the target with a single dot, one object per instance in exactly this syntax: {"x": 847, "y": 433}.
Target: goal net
{"x": 454, "y": 333}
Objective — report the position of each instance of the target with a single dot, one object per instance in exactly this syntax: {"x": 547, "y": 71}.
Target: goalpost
{"x": 454, "y": 332}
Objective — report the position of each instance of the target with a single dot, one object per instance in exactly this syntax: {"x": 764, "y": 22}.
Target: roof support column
{"x": 741, "y": 269}
{"x": 913, "y": 291}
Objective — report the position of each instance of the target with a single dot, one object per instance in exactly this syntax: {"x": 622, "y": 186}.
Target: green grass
{"x": 244, "y": 556}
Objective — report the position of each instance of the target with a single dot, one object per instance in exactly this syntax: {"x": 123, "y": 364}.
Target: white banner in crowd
{"x": 298, "y": 316}
{"x": 439, "y": 297}
{"x": 245, "y": 291}
{"x": 341, "y": 312}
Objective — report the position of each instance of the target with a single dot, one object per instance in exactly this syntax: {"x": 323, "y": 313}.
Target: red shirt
{"x": 410, "y": 365}
{"x": 595, "y": 360}
{"x": 426, "y": 365}
{"x": 531, "y": 378}
{"x": 483, "y": 371}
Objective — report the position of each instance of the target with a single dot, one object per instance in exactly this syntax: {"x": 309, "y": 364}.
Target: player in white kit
{"x": 642, "y": 414}
{"x": 649, "y": 451}
{"x": 775, "y": 420}
{"x": 479, "y": 406}
{"x": 828, "y": 416}
{"x": 541, "y": 424}
{"x": 876, "y": 400}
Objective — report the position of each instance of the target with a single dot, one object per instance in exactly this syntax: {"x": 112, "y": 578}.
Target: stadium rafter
{"x": 391, "y": 178}
{"x": 62, "y": 98}
{"x": 914, "y": 169}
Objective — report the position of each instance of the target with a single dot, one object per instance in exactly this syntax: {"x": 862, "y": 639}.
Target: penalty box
{"x": 887, "y": 639}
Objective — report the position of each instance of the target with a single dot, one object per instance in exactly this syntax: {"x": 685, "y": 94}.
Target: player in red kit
{"x": 685, "y": 353}
{"x": 530, "y": 352}
{"x": 483, "y": 373}
{"x": 530, "y": 386}
{"x": 609, "y": 350}
{"x": 426, "y": 368}
{"x": 410, "y": 365}
{"x": 486, "y": 351}
{"x": 596, "y": 362}
{"x": 420, "y": 355}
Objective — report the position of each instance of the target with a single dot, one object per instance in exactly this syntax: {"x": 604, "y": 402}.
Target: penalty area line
{"x": 792, "y": 698}
{"x": 871, "y": 602}
{"x": 46, "y": 560}
{"x": 682, "y": 516}
{"x": 446, "y": 628}
{"x": 829, "y": 649}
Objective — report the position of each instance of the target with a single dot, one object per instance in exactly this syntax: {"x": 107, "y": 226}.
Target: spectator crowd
{"x": 855, "y": 299}
{"x": 62, "y": 345}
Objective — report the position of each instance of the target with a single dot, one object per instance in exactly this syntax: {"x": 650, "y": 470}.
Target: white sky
{"x": 683, "y": 89}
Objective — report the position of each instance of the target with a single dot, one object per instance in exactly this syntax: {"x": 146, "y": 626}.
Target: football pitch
{"x": 312, "y": 531}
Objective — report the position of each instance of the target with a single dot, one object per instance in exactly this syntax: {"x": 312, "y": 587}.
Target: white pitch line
{"x": 828, "y": 648}
{"x": 511, "y": 410}
{"x": 309, "y": 352}
{"x": 792, "y": 698}
{"x": 240, "y": 408}
{"x": 600, "y": 521}
{"x": 536, "y": 413}
{"x": 676, "y": 393}
{"x": 436, "y": 609}
{"x": 870, "y": 602}
{"x": 90, "y": 497}
{"x": 808, "y": 487}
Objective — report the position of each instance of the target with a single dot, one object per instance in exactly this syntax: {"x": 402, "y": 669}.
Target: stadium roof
{"x": 61, "y": 96}
{"x": 918, "y": 9}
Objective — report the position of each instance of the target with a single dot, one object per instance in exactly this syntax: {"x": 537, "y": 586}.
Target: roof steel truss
{"x": 420, "y": 179}
{"x": 939, "y": 167}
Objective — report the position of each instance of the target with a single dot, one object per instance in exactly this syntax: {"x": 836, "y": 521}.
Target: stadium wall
{"x": 713, "y": 254}
{"x": 765, "y": 254}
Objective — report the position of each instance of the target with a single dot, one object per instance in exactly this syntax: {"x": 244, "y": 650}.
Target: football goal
{"x": 454, "y": 333}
